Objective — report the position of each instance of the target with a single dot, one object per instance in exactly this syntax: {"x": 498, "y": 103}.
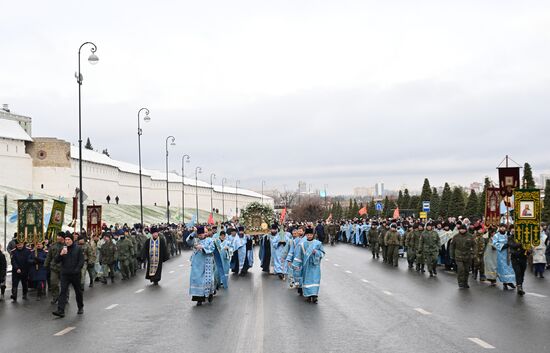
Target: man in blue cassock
{"x": 308, "y": 261}
{"x": 505, "y": 272}
{"x": 243, "y": 256}
{"x": 358, "y": 232}
{"x": 349, "y": 228}
{"x": 221, "y": 259}
{"x": 279, "y": 239}
{"x": 201, "y": 286}
{"x": 290, "y": 251}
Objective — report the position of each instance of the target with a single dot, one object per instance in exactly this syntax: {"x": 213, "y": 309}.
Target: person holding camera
{"x": 71, "y": 259}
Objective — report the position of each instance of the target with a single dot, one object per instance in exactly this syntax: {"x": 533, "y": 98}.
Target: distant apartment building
{"x": 379, "y": 189}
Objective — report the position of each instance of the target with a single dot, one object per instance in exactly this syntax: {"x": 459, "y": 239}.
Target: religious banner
{"x": 56, "y": 219}
{"x": 94, "y": 220}
{"x": 508, "y": 180}
{"x": 492, "y": 207}
{"x": 527, "y": 217}
{"x": 30, "y": 221}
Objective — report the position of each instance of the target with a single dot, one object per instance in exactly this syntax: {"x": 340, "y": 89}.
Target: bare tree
{"x": 286, "y": 199}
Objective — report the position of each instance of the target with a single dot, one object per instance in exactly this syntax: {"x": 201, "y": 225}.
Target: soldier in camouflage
{"x": 126, "y": 254}
{"x": 462, "y": 251}
{"x": 89, "y": 259}
{"x": 418, "y": 248}
{"x": 430, "y": 248}
{"x": 392, "y": 240}
{"x": 409, "y": 243}
{"x": 480, "y": 242}
{"x": 373, "y": 236}
{"x": 53, "y": 266}
{"x": 107, "y": 258}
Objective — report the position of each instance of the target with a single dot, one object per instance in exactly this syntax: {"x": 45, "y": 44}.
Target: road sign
{"x": 379, "y": 206}
{"x": 423, "y": 215}
{"x": 426, "y": 206}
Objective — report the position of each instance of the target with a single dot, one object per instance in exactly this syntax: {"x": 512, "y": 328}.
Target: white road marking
{"x": 481, "y": 343}
{"x": 111, "y": 307}
{"x": 336, "y": 265}
{"x": 64, "y": 331}
{"x": 171, "y": 272}
{"x": 139, "y": 290}
{"x": 326, "y": 259}
{"x": 364, "y": 280}
{"x": 387, "y": 292}
{"x": 180, "y": 265}
{"x": 537, "y": 295}
{"x": 422, "y": 311}
{"x": 348, "y": 271}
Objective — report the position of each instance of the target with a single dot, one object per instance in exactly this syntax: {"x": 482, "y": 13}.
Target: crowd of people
{"x": 469, "y": 247}
{"x": 290, "y": 251}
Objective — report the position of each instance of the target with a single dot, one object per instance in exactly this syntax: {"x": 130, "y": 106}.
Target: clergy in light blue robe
{"x": 358, "y": 231}
{"x": 278, "y": 257}
{"x": 505, "y": 272}
{"x": 349, "y": 228}
{"x": 201, "y": 285}
{"x": 221, "y": 260}
{"x": 293, "y": 275}
{"x": 308, "y": 261}
{"x": 243, "y": 255}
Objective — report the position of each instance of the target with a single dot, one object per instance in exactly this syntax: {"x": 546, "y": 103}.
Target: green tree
{"x": 426, "y": 193}
{"x": 546, "y": 208}
{"x": 415, "y": 200}
{"x": 371, "y": 208}
{"x": 434, "y": 204}
{"x": 400, "y": 200}
{"x": 483, "y": 197}
{"x": 386, "y": 211}
{"x": 472, "y": 206}
{"x": 528, "y": 182}
{"x": 88, "y": 145}
{"x": 445, "y": 202}
{"x": 349, "y": 211}
{"x": 457, "y": 205}
{"x": 406, "y": 203}
{"x": 355, "y": 209}
{"x": 337, "y": 213}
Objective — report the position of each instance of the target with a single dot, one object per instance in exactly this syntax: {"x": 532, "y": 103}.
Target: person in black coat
{"x": 38, "y": 272}
{"x": 72, "y": 261}
{"x": 154, "y": 253}
{"x": 3, "y": 270}
{"x": 19, "y": 270}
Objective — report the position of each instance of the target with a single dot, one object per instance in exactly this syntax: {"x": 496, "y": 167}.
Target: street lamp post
{"x": 212, "y": 177}
{"x": 173, "y": 143}
{"x": 184, "y": 159}
{"x": 263, "y": 183}
{"x": 223, "y": 197}
{"x": 198, "y": 170}
{"x": 237, "y": 198}
{"x": 92, "y": 59}
{"x": 146, "y": 118}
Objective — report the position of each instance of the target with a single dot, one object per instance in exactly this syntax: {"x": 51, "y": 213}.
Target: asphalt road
{"x": 364, "y": 306}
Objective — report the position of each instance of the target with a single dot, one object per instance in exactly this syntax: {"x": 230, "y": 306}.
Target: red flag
{"x": 210, "y": 219}
{"x": 396, "y": 213}
{"x": 283, "y": 215}
{"x": 363, "y": 211}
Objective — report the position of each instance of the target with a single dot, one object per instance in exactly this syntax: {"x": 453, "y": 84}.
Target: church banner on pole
{"x": 527, "y": 217}
{"x": 56, "y": 219}
{"x": 30, "y": 221}
{"x": 492, "y": 207}
{"x": 94, "y": 220}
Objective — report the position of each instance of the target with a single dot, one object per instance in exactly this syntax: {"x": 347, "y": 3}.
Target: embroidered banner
{"x": 492, "y": 207}
{"x": 508, "y": 180}
{"x": 56, "y": 219}
{"x": 30, "y": 221}
{"x": 527, "y": 217}
{"x": 94, "y": 220}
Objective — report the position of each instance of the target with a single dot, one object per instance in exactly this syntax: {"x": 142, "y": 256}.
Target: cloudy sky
{"x": 344, "y": 93}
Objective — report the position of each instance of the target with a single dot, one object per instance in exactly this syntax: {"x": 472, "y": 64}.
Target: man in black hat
{"x": 19, "y": 269}
{"x": 71, "y": 259}
{"x": 154, "y": 252}
{"x": 373, "y": 236}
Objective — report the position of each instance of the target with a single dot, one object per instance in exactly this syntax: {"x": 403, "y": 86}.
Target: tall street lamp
{"x": 92, "y": 59}
{"x": 184, "y": 159}
{"x": 172, "y": 143}
{"x": 223, "y": 197}
{"x": 146, "y": 119}
{"x": 198, "y": 170}
{"x": 263, "y": 183}
{"x": 237, "y": 182}
{"x": 212, "y": 177}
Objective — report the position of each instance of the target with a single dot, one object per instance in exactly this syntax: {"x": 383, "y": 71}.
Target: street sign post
{"x": 426, "y": 206}
{"x": 379, "y": 207}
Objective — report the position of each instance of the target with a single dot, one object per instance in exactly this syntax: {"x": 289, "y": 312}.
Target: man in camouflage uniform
{"x": 409, "y": 242}
{"x": 480, "y": 242}
{"x": 430, "y": 248}
{"x": 134, "y": 262}
{"x": 373, "y": 240}
{"x": 418, "y": 248}
{"x": 141, "y": 239}
{"x": 392, "y": 240}
{"x": 54, "y": 266}
{"x": 126, "y": 255}
{"x": 107, "y": 258}
{"x": 381, "y": 240}
{"x": 462, "y": 250}
{"x": 89, "y": 259}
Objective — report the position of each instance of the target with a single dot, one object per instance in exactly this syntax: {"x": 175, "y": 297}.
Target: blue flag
{"x": 192, "y": 222}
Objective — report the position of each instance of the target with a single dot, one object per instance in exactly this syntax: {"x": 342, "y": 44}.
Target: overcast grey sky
{"x": 344, "y": 93}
